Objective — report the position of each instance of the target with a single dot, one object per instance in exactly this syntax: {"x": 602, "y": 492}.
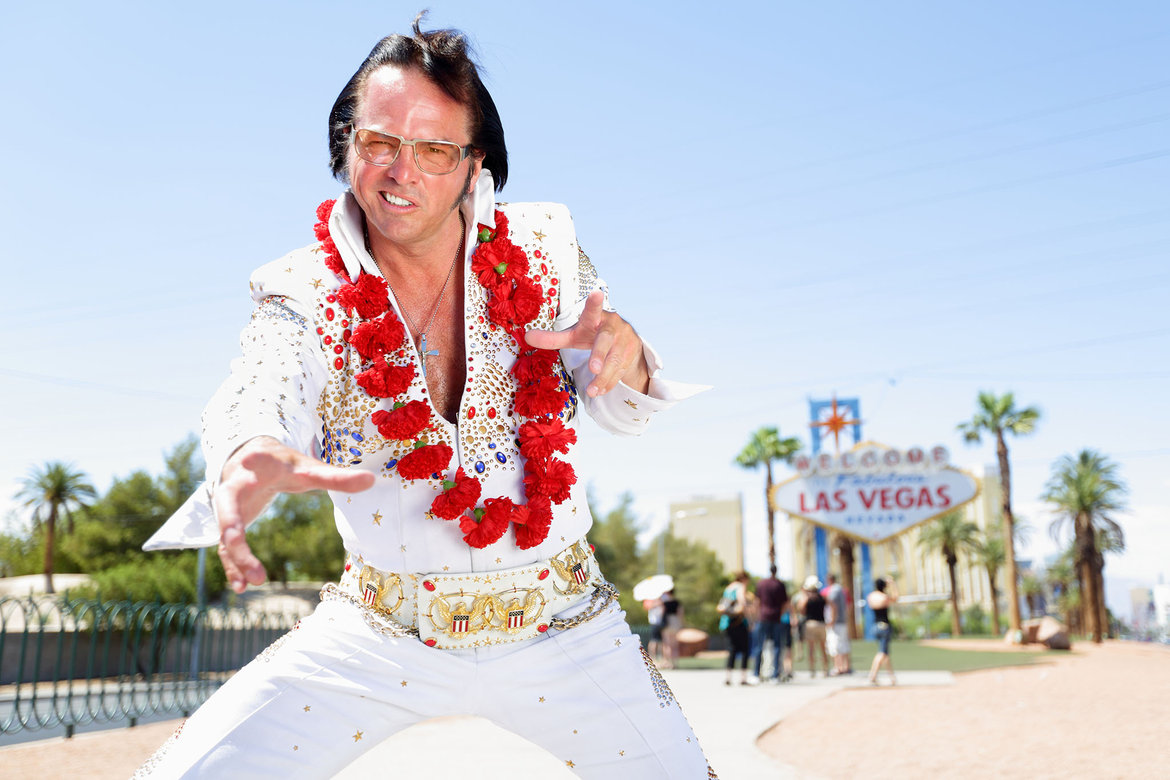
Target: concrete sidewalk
{"x": 727, "y": 720}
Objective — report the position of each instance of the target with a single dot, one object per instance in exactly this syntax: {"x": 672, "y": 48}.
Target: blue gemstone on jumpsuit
{"x": 501, "y": 457}
{"x": 479, "y": 467}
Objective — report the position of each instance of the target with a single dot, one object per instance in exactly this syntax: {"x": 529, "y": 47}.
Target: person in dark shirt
{"x": 772, "y": 596}
{"x": 813, "y": 608}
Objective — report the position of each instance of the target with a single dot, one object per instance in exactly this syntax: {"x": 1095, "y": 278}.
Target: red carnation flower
{"x": 385, "y": 380}
{"x": 512, "y": 309}
{"x": 501, "y": 229}
{"x": 551, "y": 478}
{"x": 457, "y": 497}
{"x": 498, "y": 262}
{"x": 540, "y": 440}
{"x": 481, "y": 528}
{"x": 534, "y": 364}
{"x": 424, "y": 461}
{"x": 545, "y": 396}
{"x": 402, "y": 422}
{"x": 536, "y": 529}
{"x": 377, "y": 337}
{"x": 325, "y": 209}
{"x": 321, "y": 230}
{"x": 367, "y": 295}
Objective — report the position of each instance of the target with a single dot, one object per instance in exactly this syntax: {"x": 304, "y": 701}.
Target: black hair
{"x": 879, "y": 585}
{"x": 444, "y": 57}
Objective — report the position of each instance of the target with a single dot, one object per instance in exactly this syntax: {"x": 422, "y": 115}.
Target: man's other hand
{"x": 615, "y": 348}
{"x": 251, "y": 478}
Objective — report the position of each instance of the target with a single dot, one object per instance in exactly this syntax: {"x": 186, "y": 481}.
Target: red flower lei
{"x": 514, "y": 301}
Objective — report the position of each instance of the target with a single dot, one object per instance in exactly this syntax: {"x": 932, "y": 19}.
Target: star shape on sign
{"x": 835, "y": 423}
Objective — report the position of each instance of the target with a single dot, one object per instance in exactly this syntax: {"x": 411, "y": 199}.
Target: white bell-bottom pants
{"x": 335, "y": 687}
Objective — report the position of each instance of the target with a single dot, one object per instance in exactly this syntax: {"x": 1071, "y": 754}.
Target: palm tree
{"x": 998, "y": 415}
{"x": 53, "y": 490}
{"x": 844, "y": 547}
{"x": 950, "y": 535}
{"x": 1085, "y": 491}
{"x": 765, "y": 446}
{"x": 989, "y": 554}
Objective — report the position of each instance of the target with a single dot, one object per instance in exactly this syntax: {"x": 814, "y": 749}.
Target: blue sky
{"x": 899, "y": 202}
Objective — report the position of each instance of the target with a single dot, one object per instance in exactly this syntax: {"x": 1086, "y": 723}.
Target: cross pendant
{"x": 424, "y": 354}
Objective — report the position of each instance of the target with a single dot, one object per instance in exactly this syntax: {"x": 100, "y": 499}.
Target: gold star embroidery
{"x": 570, "y": 764}
{"x": 446, "y": 568}
{"x": 617, "y": 643}
{"x": 377, "y": 518}
{"x": 631, "y": 404}
{"x": 541, "y": 700}
{"x": 574, "y": 731}
{"x": 403, "y": 548}
{"x": 357, "y": 736}
{"x": 404, "y": 683}
{"x": 539, "y": 234}
{"x": 294, "y": 748}
{"x": 316, "y": 284}
{"x": 284, "y": 379}
{"x": 499, "y": 560}
{"x": 307, "y": 708}
{"x": 348, "y": 499}
{"x": 621, "y": 752}
{"x": 288, "y": 270}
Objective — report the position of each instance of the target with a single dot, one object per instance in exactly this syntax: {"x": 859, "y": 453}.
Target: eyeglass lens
{"x": 430, "y": 156}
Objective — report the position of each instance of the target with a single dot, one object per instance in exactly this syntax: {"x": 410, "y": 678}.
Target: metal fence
{"x": 67, "y": 662}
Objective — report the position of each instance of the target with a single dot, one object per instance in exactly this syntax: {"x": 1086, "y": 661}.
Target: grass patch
{"x": 911, "y": 656}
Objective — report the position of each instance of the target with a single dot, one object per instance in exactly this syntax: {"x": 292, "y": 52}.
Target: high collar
{"x": 346, "y": 224}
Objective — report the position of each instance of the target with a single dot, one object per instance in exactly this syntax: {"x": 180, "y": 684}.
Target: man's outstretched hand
{"x": 251, "y": 478}
{"x": 615, "y": 348}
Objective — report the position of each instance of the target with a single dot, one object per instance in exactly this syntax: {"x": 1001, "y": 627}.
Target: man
{"x": 425, "y": 361}
{"x": 837, "y": 621}
{"x": 772, "y": 596}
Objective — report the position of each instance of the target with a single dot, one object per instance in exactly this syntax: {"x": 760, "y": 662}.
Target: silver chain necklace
{"x": 423, "y": 352}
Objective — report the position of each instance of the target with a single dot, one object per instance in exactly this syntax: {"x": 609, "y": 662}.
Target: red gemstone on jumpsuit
{"x": 428, "y": 585}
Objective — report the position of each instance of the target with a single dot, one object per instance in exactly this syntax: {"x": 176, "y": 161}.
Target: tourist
{"x": 733, "y": 623}
{"x": 772, "y": 596}
{"x": 813, "y": 608}
{"x": 837, "y": 625}
{"x": 879, "y": 601}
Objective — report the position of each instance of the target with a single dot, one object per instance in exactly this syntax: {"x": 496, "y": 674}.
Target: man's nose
{"x": 403, "y": 168}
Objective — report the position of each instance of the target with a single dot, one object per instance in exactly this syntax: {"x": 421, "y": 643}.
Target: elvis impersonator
{"x": 426, "y": 361}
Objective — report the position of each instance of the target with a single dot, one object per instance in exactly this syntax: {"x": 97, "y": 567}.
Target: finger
{"x": 605, "y": 363}
{"x": 580, "y": 336}
{"x": 239, "y": 564}
{"x": 314, "y": 475}
{"x": 549, "y": 339}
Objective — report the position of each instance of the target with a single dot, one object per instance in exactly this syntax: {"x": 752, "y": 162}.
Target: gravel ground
{"x": 1100, "y": 712}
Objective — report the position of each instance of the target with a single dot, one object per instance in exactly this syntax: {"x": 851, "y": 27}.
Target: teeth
{"x": 394, "y": 200}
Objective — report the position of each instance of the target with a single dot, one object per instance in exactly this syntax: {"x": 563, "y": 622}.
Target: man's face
{"x": 404, "y": 207}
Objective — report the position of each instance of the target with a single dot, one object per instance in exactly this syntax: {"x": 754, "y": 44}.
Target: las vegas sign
{"x": 874, "y": 492}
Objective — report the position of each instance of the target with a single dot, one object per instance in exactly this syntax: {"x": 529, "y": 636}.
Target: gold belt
{"x": 456, "y": 611}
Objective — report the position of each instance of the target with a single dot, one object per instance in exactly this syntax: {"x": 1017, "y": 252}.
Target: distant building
{"x": 1143, "y": 609}
{"x": 715, "y": 522}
